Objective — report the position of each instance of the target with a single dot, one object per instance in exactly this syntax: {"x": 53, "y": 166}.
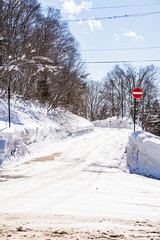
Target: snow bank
{"x": 143, "y": 154}
{"x": 32, "y": 128}
{"x": 71, "y": 123}
{"x": 114, "y": 122}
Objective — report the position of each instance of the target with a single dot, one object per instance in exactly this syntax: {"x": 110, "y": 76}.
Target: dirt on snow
{"x": 27, "y": 227}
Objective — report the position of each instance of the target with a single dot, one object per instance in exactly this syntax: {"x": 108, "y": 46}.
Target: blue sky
{"x": 119, "y": 33}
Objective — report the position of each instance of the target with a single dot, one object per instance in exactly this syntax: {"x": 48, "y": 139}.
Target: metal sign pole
{"x": 136, "y": 93}
{"x": 9, "y": 111}
{"x": 134, "y": 114}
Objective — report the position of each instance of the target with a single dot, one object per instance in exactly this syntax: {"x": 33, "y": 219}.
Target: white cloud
{"x": 71, "y": 7}
{"x": 133, "y": 35}
{"x": 116, "y": 37}
{"x": 94, "y": 24}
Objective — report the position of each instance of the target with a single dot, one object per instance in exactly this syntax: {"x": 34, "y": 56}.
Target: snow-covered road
{"x": 84, "y": 176}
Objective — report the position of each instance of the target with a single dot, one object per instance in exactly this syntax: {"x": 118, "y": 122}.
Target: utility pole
{"x": 9, "y": 103}
{"x": 122, "y": 95}
{"x": 137, "y": 93}
{"x": 134, "y": 118}
{"x": 1, "y": 37}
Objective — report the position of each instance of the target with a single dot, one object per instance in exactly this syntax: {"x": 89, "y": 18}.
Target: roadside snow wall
{"x": 143, "y": 154}
{"x": 115, "y": 122}
{"x": 33, "y": 128}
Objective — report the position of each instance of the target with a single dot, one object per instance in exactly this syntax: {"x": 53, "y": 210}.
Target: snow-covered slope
{"x": 33, "y": 128}
{"x": 115, "y": 122}
{"x": 82, "y": 177}
{"x": 143, "y": 154}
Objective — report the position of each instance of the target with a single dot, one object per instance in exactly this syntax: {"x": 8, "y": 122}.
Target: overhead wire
{"x": 118, "y": 49}
{"x": 118, "y": 62}
{"x": 123, "y": 61}
{"x": 113, "y": 7}
{"x": 118, "y": 6}
{"x": 124, "y": 6}
{"x": 115, "y": 17}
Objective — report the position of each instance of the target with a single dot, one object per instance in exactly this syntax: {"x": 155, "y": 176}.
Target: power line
{"x": 122, "y": 6}
{"x": 118, "y": 49}
{"x": 126, "y": 6}
{"x": 123, "y": 61}
{"x": 103, "y": 67}
{"x": 115, "y": 17}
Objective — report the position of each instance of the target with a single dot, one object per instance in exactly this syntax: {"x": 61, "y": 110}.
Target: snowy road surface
{"x": 85, "y": 176}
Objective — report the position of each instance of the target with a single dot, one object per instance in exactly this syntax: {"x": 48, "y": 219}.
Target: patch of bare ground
{"x": 45, "y": 158}
{"x": 26, "y": 227}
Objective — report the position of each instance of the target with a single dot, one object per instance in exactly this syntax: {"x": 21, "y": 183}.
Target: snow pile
{"x": 33, "y": 128}
{"x": 71, "y": 123}
{"x": 110, "y": 156}
{"x": 143, "y": 154}
{"x": 115, "y": 122}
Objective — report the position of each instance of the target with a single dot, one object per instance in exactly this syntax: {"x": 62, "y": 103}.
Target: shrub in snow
{"x": 143, "y": 154}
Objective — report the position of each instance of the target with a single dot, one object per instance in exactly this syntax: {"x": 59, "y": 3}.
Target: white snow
{"x": 70, "y": 184}
{"x": 33, "y": 131}
{"x": 23, "y": 56}
{"x": 32, "y": 127}
{"x": 115, "y": 122}
{"x": 82, "y": 175}
{"x": 143, "y": 154}
{"x": 13, "y": 67}
{"x": 46, "y": 59}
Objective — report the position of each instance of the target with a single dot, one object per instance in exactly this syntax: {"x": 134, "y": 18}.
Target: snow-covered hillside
{"x": 33, "y": 129}
{"x": 115, "y": 122}
{"x": 143, "y": 154}
{"x": 84, "y": 176}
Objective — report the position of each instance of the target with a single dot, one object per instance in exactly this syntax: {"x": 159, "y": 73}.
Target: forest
{"x": 40, "y": 60}
{"x": 39, "y": 57}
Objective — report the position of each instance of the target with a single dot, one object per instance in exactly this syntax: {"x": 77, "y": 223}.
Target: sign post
{"x": 9, "y": 105}
{"x": 137, "y": 93}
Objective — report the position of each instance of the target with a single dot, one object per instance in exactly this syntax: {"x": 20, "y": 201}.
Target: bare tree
{"x": 93, "y": 101}
{"x": 39, "y": 58}
{"x": 121, "y": 81}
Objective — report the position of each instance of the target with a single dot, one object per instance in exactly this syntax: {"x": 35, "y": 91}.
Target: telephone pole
{"x": 9, "y": 105}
